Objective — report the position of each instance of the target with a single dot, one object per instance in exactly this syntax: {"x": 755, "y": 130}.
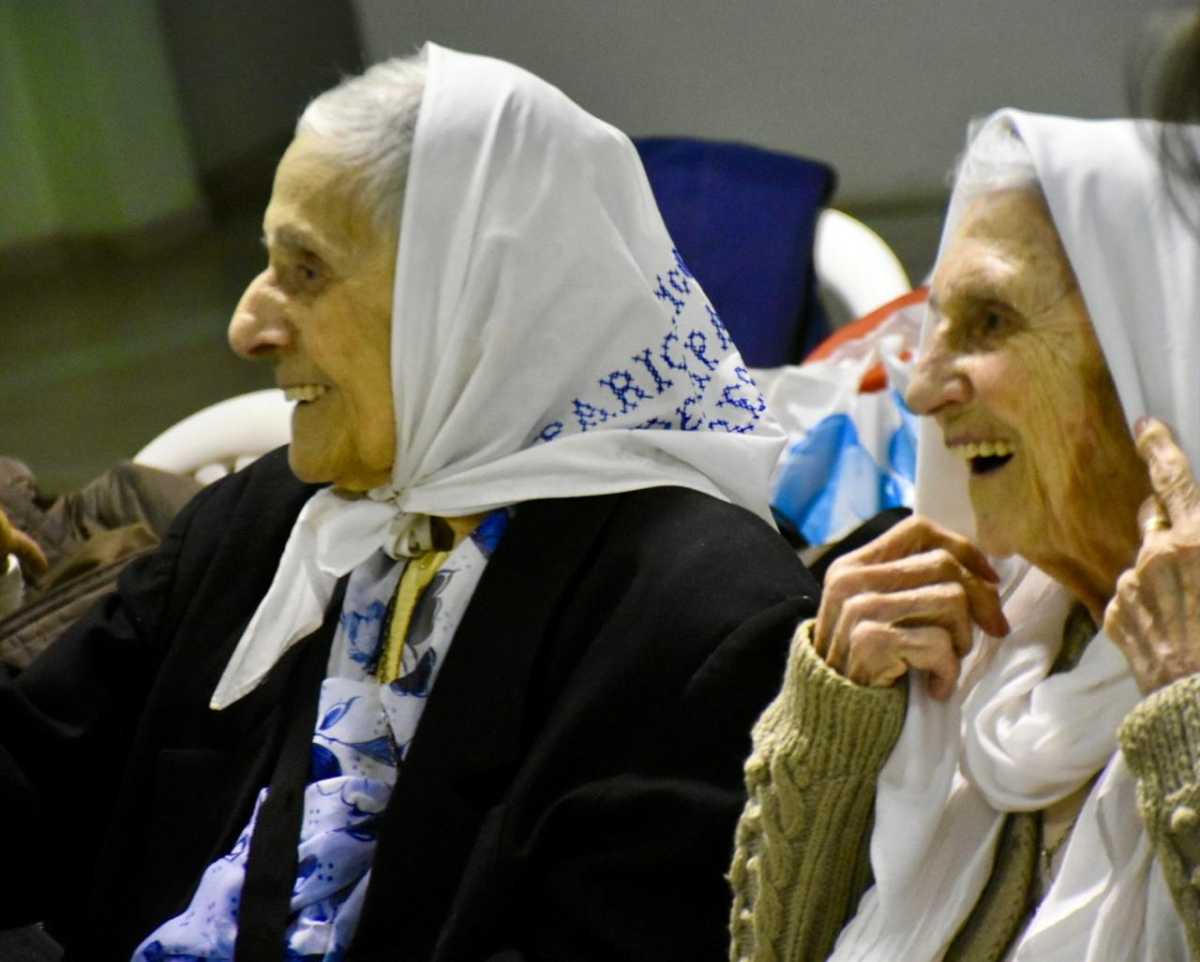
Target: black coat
{"x": 571, "y": 792}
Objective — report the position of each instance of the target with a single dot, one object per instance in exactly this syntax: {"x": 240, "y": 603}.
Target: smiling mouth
{"x": 304, "y": 393}
{"x": 984, "y": 457}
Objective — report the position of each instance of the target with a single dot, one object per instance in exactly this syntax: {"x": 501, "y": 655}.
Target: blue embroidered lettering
{"x": 660, "y": 383}
{"x": 683, "y": 268}
{"x": 755, "y": 408}
{"x": 755, "y": 405}
{"x": 653, "y": 423}
{"x": 663, "y": 294}
{"x": 679, "y": 281}
{"x": 551, "y": 431}
{"x": 622, "y": 384}
{"x": 699, "y": 381}
{"x": 589, "y": 415}
{"x": 686, "y": 424}
{"x": 731, "y": 428}
{"x": 719, "y": 327}
{"x": 744, "y": 376}
{"x": 681, "y": 364}
{"x": 698, "y": 344}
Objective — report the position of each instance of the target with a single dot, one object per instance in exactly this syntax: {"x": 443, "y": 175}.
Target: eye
{"x": 308, "y": 273}
{"x": 990, "y": 322}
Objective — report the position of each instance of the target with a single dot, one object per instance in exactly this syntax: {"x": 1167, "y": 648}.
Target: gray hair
{"x": 367, "y": 124}
{"x": 996, "y": 158}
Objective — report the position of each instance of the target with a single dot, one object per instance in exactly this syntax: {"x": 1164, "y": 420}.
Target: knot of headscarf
{"x": 333, "y": 535}
{"x": 410, "y": 533}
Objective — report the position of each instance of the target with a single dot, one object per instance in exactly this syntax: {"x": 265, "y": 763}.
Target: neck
{"x": 1090, "y": 571}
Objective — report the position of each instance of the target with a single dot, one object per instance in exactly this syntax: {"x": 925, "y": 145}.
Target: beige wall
{"x": 880, "y": 88}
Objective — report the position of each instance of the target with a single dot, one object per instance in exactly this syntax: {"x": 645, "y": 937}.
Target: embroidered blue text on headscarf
{"x": 679, "y": 361}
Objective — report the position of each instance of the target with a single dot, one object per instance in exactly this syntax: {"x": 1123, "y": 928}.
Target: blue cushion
{"x": 744, "y": 220}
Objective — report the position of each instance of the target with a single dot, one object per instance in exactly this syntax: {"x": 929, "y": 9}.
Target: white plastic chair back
{"x": 222, "y": 437}
{"x": 855, "y": 264}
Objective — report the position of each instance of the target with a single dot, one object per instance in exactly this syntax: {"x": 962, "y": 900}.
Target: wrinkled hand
{"x": 24, "y": 547}
{"x": 907, "y": 600}
{"x": 1154, "y": 617}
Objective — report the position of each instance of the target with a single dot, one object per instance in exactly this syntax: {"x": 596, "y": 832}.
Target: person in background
{"x": 468, "y": 671}
{"x": 15, "y": 543}
{"x": 66, "y": 552}
{"x": 985, "y": 747}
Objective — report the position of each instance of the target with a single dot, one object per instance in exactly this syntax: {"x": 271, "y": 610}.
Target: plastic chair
{"x": 222, "y": 437}
{"x": 856, "y": 265}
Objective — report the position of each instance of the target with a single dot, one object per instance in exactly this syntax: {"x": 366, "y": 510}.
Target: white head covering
{"x": 547, "y": 341}
{"x": 1011, "y": 738}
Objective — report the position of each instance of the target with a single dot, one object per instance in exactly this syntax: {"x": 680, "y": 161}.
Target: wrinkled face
{"x": 321, "y": 313}
{"x": 1017, "y": 381}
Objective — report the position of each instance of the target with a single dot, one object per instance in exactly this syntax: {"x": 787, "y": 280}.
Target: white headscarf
{"x": 1012, "y": 739}
{"x": 547, "y": 342}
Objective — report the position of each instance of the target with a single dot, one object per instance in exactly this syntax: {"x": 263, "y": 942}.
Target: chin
{"x": 307, "y": 468}
{"x": 355, "y": 478}
{"x": 995, "y": 538}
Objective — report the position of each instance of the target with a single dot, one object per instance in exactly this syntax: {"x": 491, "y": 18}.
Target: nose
{"x": 937, "y": 381}
{"x": 259, "y": 326}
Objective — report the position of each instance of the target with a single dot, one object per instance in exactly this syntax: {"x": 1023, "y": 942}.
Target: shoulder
{"x": 239, "y": 523}
{"x": 672, "y": 518}
{"x": 687, "y": 549}
{"x": 259, "y": 498}
{"x": 691, "y": 537}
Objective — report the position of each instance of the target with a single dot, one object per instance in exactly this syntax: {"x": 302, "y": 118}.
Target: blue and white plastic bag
{"x": 850, "y": 454}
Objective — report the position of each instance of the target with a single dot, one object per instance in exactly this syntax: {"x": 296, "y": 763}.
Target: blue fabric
{"x": 744, "y": 220}
{"x": 829, "y": 481}
{"x": 362, "y": 735}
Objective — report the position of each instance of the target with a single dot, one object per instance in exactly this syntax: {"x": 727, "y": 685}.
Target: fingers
{"x": 881, "y": 636}
{"x": 881, "y": 654}
{"x": 928, "y": 568}
{"x": 1152, "y": 520}
{"x": 1170, "y": 472}
{"x": 917, "y": 534}
{"x": 29, "y": 553}
{"x": 1150, "y": 618}
{"x": 20, "y": 544}
{"x": 943, "y": 605}
{"x": 909, "y": 599}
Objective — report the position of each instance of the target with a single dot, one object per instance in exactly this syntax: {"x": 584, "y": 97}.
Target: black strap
{"x": 271, "y": 866}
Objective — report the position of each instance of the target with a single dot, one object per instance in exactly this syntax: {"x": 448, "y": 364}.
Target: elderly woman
{"x": 1033, "y": 791}
{"x": 469, "y": 671}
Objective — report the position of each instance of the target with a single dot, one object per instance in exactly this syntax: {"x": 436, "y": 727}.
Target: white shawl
{"x": 1012, "y": 739}
{"x": 547, "y": 342}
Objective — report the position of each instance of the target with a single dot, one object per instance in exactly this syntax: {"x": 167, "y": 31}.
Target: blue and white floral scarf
{"x": 363, "y": 733}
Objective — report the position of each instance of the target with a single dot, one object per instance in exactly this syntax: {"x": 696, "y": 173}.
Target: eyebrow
{"x": 979, "y": 290}
{"x": 296, "y": 239}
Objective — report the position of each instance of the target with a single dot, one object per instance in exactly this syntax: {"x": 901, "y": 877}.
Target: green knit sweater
{"x": 802, "y": 862}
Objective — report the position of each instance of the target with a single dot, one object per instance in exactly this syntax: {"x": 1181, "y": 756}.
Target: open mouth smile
{"x": 304, "y": 393}
{"x": 983, "y": 457}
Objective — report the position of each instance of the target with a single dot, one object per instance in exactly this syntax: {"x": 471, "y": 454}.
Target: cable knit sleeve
{"x": 802, "y": 846}
{"x": 1160, "y": 739}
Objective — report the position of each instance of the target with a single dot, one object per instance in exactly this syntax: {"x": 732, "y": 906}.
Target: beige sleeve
{"x": 801, "y": 860}
{"x": 1160, "y": 739}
